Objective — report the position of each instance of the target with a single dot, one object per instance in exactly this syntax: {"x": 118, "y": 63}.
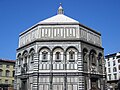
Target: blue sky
{"x": 18, "y": 15}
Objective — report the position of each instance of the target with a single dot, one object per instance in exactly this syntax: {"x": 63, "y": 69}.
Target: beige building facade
{"x": 7, "y": 72}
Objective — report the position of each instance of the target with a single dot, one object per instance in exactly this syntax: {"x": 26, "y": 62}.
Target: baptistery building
{"x": 59, "y": 53}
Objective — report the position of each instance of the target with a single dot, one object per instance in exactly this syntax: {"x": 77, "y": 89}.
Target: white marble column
{"x": 89, "y": 85}
{"x": 36, "y": 72}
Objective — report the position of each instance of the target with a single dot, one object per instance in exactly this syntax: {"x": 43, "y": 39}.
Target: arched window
{"x": 1, "y": 72}
{"x": 31, "y": 59}
{"x": 71, "y": 55}
{"x": 85, "y": 55}
{"x": 57, "y": 55}
{"x": 114, "y": 69}
{"x": 6, "y": 81}
{"x": 58, "y": 58}
{"x": 100, "y": 59}
{"x": 44, "y": 55}
{"x": 85, "y": 66}
{"x": 25, "y": 61}
{"x": 93, "y": 57}
{"x": 25, "y": 57}
{"x": 13, "y": 73}
{"x": 118, "y": 60}
{"x": 44, "y": 58}
{"x": 7, "y": 73}
{"x": 19, "y": 58}
{"x": 119, "y": 67}
{"x": 32, "y": 56}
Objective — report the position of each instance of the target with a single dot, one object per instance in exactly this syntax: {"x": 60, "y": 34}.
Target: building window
{"x": 100, "y": 59}
{"x": 13, "y": 82}
{"x": 58, "y": 55}
{"x": 6, "y": 81}
{"x": 85, "y": 66}
{"x": 25, "y": 59}
{"x": 108, "y": 63}
{"x": 93, "y": 57}
{"x": 113, "y": 57}
{"x": 0, "y": 65}
{"x": 118, "y": 60}
{"x": 44, "y": 55}
{"x": 105, "y": 69}
{"x": 13, "y": 73}
{"x": 114, "y": 69}
{"x": 109, "y": 70}
{"x": 32, "y": 57}
{"x": 113, "y": 63}
{"x": 7, "y": 66}
{"x": 109, "y": 76}
{"x": 0, "y": 81}
{"x": 7, "y": 73}
{"x": 1, "y": 72}
{"x": 119, "y": 67}
{"x": 19, "y": 60}
{"x": 14, "y": 66}
{"x": 71, "y": 55}
{"x": 115, "y": 76}
{"x": 118, "y": 56}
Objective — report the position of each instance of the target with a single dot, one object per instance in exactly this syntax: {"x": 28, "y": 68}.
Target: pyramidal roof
{"x": 60, "y": 18}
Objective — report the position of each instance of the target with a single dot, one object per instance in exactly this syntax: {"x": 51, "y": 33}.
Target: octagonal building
{"x": 59, "y": 53}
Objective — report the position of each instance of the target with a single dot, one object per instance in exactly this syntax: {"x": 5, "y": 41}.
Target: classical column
{"x": 36, "y": 72}
{"x": 51, "y": 68}
{"x": 80, "y": 62}
{"x": 29, "y": 60}
{"x": 89, "y": 85}
{"x": 80, "y": 69}
{"x": 65, "y": 76}
{"x": 97, "y": 64}
{"x": 81, "y": 82}
{"x": 87, "y": 58}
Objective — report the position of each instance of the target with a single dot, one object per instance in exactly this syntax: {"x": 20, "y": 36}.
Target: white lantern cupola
{"x": 60, "y": 9}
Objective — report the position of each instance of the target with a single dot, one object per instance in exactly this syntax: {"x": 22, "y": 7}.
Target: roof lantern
{"x": 60, "y": 9}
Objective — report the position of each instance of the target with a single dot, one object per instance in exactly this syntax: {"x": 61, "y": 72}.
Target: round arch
{"x": 85, "y": 50}
{"x": 57, "y": 48}
{"x": 32, "y": 50}
{"x": 93, "y": 57}
{"x": 100, "y": 54}
{"x": 92, "y": 50}
{"x": 25, "y": 53}
{"x": 19, "y": 54}
{"x": 70, "y": 48}
{"x": 45, "y": 47}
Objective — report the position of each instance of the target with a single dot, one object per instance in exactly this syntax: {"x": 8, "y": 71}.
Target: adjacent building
{"x": 112, "y": 69}
{"x": 6, "y": 73}
{"x": 59, "y": 53}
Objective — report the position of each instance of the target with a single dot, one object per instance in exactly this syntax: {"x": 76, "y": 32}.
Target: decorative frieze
{"x": 54, "y": 32}
{"x": 90, "y": 36}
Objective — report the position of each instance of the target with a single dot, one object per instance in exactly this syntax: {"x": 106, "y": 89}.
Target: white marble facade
{"x": 59, "y": 54}
{"x": 57, "y": 32}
